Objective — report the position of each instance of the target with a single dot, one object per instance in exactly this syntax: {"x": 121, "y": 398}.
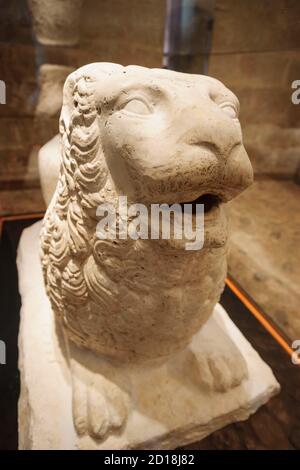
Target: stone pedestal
{"x": 169, "y": 408}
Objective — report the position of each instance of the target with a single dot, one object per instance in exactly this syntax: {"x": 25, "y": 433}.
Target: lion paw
{"x": 214, "y": 361}
{"x": 99, "y": 405}
{"x": 220, "y": 371}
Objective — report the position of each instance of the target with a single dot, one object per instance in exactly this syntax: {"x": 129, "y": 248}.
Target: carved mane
{"x": 68, "y": 225}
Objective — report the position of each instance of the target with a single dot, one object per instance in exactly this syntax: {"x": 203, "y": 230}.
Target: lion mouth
{"x": 210, "y": 202}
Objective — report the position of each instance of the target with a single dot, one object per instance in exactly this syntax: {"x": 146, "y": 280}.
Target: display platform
{"x": 274, "y": 426}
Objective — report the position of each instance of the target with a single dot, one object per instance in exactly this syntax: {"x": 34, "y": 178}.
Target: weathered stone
{"x": 171, "y": 408}
{"x": 49, "y": 165}
{"x": 124, "y": 330}
{"x": 51, "y": 82}
{"x": 57, "y": 22}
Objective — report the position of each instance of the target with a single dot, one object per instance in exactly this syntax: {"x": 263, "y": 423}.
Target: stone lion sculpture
{"x": 155, "y": 136}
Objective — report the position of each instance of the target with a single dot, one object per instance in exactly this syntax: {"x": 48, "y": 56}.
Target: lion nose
{"x": 220, "y": 159}
{"x": 215, "y": 139}
{"x": 207, "y": 126}
{"x": 238, "y": 171}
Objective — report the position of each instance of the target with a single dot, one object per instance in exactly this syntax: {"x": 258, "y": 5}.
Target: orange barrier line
{"x": 260, "y": 317}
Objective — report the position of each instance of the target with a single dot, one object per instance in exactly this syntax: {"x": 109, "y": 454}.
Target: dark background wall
{"x": 128, "y": 32}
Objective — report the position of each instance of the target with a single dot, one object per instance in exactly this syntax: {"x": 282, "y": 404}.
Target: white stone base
{"x": 169, "y": 410}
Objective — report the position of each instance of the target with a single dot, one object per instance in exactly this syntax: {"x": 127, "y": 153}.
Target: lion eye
{"x": 230, "y": 110}
{"x": 137, "y": 106}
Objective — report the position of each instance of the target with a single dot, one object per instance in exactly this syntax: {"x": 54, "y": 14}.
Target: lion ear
{"x": 68, "y": 100}
{"x": 79, "y": 88}
{"x": 79, "y": 84}
{"x": 83, "y": 164}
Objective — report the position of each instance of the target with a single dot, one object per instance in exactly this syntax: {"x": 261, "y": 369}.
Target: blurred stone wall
{"x": 128, "y": 32}
{"x": 256, "y": 53}
{"x": 252, "y": 46}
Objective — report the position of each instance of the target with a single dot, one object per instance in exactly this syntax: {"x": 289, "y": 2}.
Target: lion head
{"x": 155, "y": 136}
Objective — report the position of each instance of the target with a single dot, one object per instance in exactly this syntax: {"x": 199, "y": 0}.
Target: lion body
{"x": 128, "y": 299}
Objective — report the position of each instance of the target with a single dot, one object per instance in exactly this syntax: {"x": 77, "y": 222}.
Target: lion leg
{"x": 214, "y": 361}
{"x": 100, "y": 397}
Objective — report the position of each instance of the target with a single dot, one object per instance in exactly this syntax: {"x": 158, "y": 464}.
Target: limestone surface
{"x": 174, "y": 403}
{"x": 110, "y": 123}
{"x": 139, "y": 311}
{"x": 154, "y": 136}
{"x": 49, "y": 165}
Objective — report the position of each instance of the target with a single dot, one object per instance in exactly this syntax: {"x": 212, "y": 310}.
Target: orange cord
{"x": 260, "y": 317}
